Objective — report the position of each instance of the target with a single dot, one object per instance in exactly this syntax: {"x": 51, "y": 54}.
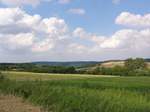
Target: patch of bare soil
{"x": 10, "y": 103}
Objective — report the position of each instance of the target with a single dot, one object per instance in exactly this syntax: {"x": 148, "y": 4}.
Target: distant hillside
{"x": 111, "y": 63}
{"x": 75, "y": 64}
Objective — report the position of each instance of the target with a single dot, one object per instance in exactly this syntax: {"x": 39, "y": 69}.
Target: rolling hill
{"x": 110, "y": 64}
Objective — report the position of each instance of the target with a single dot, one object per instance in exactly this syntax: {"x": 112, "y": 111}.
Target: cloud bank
{"x": 133, "y": 20}
{"x": 30, "y": 2}
{"x": 20, "y": 2}
{"x": 25, "y": 37}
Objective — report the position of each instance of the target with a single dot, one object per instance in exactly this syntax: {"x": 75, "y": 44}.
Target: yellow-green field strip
{"x": 47, "y": 76}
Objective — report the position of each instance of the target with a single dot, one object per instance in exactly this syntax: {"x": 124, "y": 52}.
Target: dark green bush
{"x": 117, "y": 70}
{"x": 28, "y": 67}
{"x": 141, "y": 72}
{"x": 133, "y": 64}
{"x": 2, "y": 77}
{"x": 120, "y": 71}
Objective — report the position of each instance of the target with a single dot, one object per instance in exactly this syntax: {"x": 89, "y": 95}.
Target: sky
{"x": 74, "y": 30}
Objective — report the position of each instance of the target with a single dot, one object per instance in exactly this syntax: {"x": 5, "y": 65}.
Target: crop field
{"x": 79, "y": 93}
{"x": 47, "y": 76}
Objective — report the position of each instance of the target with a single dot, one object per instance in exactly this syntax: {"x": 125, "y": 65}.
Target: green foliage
{"x": 139, "y": 72}
{"x": 28, "y": 67}
{"x": 136, "y": 67}
{"x": 2, "y": 77}
{"x": 133, "y": 64}
{"x": 117, "y": 70}
{"x": 133, "y": 67}
{"x": 96, "y": 71}
{"x": 88, "y": 95}
{"x": 53, "y": 69}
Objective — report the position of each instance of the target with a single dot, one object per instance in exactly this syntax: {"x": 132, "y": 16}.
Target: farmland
{"x": 80, "y": 93}
{"x": 74, "y": 56}
{"x": 47, "y": 76}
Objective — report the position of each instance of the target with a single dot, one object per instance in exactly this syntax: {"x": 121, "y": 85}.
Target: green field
{"x": 80, "y": 93}
{"x": 47, "y": 76}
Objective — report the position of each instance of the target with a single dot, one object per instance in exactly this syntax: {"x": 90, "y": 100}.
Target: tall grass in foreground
{"x": 98, "y": 95}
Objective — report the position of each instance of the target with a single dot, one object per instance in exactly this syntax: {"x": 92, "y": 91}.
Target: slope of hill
{"x": 148, "y": 64}
{"x": 119, "y": 63}
{"x": 80, "y": 65}
{"x": 111, "y": 63}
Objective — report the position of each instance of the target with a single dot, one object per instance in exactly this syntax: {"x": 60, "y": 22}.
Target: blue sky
{"x": 100, "y": 14}
{"x": 73, "y": 30}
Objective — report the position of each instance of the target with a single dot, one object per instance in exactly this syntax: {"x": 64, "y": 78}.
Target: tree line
{"x": 29, "y": 67}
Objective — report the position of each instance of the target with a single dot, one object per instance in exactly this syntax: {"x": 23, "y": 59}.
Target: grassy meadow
{"x": 80, "y": 93}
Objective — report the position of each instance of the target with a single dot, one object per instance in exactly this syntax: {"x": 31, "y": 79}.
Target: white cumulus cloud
{"x": 22, "y": 2}
{"x": 26, "y": 37}
{"x": 133, "y": 20}
{"x": 19, "y": 29}
{"x": 130, "y": 40}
